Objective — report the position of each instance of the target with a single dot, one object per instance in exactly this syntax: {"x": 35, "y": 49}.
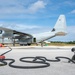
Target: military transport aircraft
{"x": 26, "y": 39}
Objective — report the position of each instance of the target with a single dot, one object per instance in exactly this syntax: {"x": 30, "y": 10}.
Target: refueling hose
{"x": 40, "y": 60}
{"x": 6, "y": 51}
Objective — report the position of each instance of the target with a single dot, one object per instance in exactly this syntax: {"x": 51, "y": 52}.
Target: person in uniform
{"x": 73, "y": 50}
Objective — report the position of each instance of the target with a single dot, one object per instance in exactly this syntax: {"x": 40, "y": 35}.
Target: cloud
{"x": 23, "y": 27}
{"x": 14, "y": 7}
{"x": 36, "y": 6}
{"x": 20, "y": 26}
{"x": 72, "y": 12}
{"x": 31, "y": 29}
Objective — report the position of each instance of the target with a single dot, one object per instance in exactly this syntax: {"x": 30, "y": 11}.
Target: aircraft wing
{"x": 7, "y": 30}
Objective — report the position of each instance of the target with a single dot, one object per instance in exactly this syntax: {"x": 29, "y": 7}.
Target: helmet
{"x": 73, "y": 49}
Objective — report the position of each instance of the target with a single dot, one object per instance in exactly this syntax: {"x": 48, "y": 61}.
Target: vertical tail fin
{"x": 60, "y": 26}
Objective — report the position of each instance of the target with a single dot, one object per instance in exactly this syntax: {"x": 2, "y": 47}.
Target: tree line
{"x": 69, "y": 42}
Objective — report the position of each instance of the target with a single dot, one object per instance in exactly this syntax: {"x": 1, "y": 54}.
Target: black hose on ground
{"x": 6, "y": 51}
{"x": 40, "y": 60}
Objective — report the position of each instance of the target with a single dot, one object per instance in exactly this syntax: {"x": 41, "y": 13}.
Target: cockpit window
{"x": 0, "y": 31}
{"x": 53, "y": 29}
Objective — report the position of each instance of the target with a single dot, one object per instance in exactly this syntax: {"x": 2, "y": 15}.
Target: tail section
{"x": 60, "y": 26}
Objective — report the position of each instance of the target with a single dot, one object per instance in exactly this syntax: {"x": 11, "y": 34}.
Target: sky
{"x": 37, "y": 16}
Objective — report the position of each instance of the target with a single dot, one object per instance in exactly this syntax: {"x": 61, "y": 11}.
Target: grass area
{"x": 60, "y": 44}
{"x": 54, "y": 44}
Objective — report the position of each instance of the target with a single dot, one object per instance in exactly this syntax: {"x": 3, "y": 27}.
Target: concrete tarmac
{"x": 55, "y": 68}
